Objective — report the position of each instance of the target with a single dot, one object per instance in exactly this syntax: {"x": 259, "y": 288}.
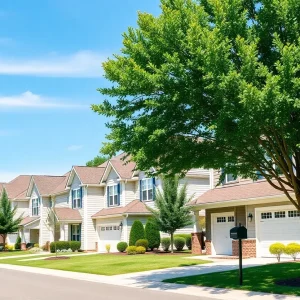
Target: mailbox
{"x": 238, "y": 233}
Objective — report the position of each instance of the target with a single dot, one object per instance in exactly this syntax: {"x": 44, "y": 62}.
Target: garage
{"x": 221, "y": 225}
{"x": 109, "y": 235}
{"x": 276, "y": 224}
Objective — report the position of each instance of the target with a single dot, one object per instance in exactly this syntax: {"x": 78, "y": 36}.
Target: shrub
{"x": 29, "y": 245}
{"x": 61, "y": 245}
{"x": 292, "y": 249}
{"x": 122, "y": 246}
{"x": 165, "y": 243}
{"x": 277, "y": 249}
{"x": 188, "y": 239}
{"x": 36, "y": 246}
{"x": 152, "y": 235}
{"x": 74, "y": 246}
{"x": 142, "y": 243}
{"x": 137, "y": 232}
{"x": 179, "y": 243}
{"x": 18, "y": 243}
{"x": 107, "y": 247}
{"x": 35, "y": 250}
{"x": 131, "y": 250}
{"x": 10, "y": 247}
{"x": 1, "y": 248}
{"x": 140, "y": 250}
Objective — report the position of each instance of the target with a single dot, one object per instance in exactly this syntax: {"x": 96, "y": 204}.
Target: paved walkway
{"x": 152, "y": 279}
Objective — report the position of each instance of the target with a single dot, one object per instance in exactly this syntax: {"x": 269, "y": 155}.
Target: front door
{"x": 221, "y": 225}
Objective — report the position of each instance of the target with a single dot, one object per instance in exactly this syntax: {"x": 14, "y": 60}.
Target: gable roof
{"x": 67, "y": 214}
{"x": 61, "y": 188}
{"x": 89, "y": 175}
{"x": 47, "y": 184}
{"x": 28, "y": 220}
{"x": 17, "y": 188}
{"x": 124, "y": 166}
{"x": 134, "y": 207}
{"x": 258, "y": 189}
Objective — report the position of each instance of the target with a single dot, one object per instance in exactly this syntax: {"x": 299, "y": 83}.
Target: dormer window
{"x": 77, "y": 198}
{"x": 229, "y": 178}
{"x": 35, "y": 206}
{"x": 147, "y": 189}
{"x": 113, "y": 195}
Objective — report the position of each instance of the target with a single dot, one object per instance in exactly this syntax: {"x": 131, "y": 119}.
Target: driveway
{"x": 29, "y": 286}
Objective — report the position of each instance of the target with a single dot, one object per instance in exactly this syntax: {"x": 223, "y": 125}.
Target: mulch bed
{"x": 294, "y": 282}
{"x": 151, "y": 252}
{"x": 57, "y": 258}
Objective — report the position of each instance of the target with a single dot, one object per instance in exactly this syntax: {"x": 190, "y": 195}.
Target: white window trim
{"x": 113, "y": 186}
{"x": 146, "y": 179}
{"x": 37, "y": 207}
{"x": 76, "y": 200}
{"x": 77, "y": 234}
{"x": 230, "y": 181}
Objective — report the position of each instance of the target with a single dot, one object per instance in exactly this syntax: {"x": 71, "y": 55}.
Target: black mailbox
{"x": 238, "y": 233}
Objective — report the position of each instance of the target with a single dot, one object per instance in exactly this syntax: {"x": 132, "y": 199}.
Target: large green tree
{"x": 210, "y": 83}
{"x": 97, "y": 161}
{"x": 8, "y": 221}
{"x": 171, "y": 212}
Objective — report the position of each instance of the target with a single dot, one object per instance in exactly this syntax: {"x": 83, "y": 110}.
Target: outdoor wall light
{"x": 121, "y": 225}
{"x": 250, "y": 217}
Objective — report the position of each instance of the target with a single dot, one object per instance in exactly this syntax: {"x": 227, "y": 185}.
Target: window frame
{"x": 147, "y": 187}
{"x": 113, "y": 199}
{"x": 35, "y": 206}
{"x": 77, "y": 198}
{"x": 76, "y": 236}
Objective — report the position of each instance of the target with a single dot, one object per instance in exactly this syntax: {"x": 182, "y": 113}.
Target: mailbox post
{"x": 239, "y": 233}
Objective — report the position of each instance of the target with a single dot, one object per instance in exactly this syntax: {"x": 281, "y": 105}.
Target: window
{"x": 231, "y": 219}
{"x": 77, "y": 198}
{"x": 102, "y": 228}
{"x": 294, "y": 213}
{"x": 113, "y": 195}
{"x": 36, "y": 206}
{"x": 147, "y": 189}
{"x": 221, "y": 219}
{"x": 266, "y": 215}
{"x": 279, "y": 214}
{"x": 75, "y": 232}
{"x": 108, "y": 228}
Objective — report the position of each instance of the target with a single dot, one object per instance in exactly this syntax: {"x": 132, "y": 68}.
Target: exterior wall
{"x": 197, "y": 243}
{"x": 94, "y": 203}
{"x": 46, "y": 230}
{"x": 208, "y": 247}
{"x": 112, "y": 179}
{"x": 248, "y": 248}
{"x": 129, "y": 193}
{"x": 195, "y": 186}
{"x": 22, "y": 208}
{"x": 62, "y": 200}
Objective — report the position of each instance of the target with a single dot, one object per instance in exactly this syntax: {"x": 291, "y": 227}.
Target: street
{"x": 16, "y": 285}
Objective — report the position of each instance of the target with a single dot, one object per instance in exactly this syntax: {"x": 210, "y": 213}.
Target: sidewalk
{"x": 152, "y": 279}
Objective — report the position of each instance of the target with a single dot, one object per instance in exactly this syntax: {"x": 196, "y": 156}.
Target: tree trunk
{"x": 4, "y": 240}
{"x": 172, "y": 244}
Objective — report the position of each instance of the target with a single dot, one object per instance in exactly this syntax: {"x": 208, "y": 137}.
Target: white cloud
{"x": 74, "y": 147}
{"x": 31, "y": 100}
{"x": 79, "y": 64}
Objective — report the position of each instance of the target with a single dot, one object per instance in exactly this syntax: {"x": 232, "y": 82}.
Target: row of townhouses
{"x": 98, "y": 205}
{"x": 94, "y": 205}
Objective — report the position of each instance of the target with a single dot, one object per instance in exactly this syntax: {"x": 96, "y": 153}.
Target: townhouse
{"x": 94, "y": 205}
{"x": 265, "y": 211}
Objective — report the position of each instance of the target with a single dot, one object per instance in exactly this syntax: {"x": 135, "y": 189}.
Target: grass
{"x": 13, "y": 253}
{"x": 259, "y": 279}
{"x": 110, "y": 264}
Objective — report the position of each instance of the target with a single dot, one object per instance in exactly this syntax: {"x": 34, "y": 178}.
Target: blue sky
{"x": 50, "y": 67}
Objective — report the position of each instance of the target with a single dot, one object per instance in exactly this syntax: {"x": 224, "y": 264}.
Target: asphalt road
{"x": 16, "y": 285}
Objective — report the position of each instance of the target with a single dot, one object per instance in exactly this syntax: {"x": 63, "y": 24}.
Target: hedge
{"x": 152, "y": 234}
{"x": 142, "y": 243}
{"x": 179, "y": 243}
{"x": 122, "y": 246}
{"x": 166, "y": 243}
{"x": 18, "y": 243}
{"x": 137, "y": 232}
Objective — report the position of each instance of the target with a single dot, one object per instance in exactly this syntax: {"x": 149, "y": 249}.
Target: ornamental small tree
{"x": 8, "y": 222}
{"x": 137, "y": 232}
{"x": 171, "y": 212}
{"x": 152, "y": 234}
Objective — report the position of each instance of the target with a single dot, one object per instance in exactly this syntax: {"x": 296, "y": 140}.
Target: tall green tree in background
{"x": 213, "y": 84}
{"x": 171, "y": 212}
{"x": 8, "y": 222}
{"x": 97, "y": 161}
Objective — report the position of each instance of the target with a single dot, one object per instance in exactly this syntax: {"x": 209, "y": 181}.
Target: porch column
{"x": 62, "y": 232}
{"x": 197, "y": 235}
{"x": 23, "y": 240}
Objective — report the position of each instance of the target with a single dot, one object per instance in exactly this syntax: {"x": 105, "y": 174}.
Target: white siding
{"x": 95, "y": 202}
{"x": 195, "y": 186}
{"x": 22, "y": 208}
{"x": 198, "y": 172}
{"x": 130, "y": 192}
{"x": 112, "y": 179}
{"x": 62, "y": 200}
{"x": 46, "y": 231}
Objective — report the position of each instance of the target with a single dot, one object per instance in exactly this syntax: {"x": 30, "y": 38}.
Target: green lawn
{"x": 110, "y": 264}
{"x": 13, "y": 253}
{"x": 259, "y": 279}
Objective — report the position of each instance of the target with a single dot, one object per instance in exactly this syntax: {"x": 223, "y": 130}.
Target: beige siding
{"x": 46, "y": 232}
{"x": 195, "y": 186}
{"x": 130, "y": 192}
{"x": 62, "y": 200}
{"x": 22, "y": 208}
{"x": 95, "y": 202}
{"x": 197, "y": 172}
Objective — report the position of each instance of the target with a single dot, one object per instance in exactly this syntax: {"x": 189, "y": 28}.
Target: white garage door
{"x": 276, "y": 224}
{"x": 109, "y": 235}
{"x": 221, "y": 225}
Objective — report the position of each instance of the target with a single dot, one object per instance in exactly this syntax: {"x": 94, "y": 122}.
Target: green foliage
{"x": 97, "y": 161}
{"x": 107, "y": 247}
{"x": 171, "y": 212}
{"x": 122, "y": 246}
{"x": 292, "y": 249}
{"x": 143, "y": 242}
{"x": 225, "y": 73}
{"x": 10, "y": 247}
{"x": 8, "y": 222}
{"x": 166, "y": 243}
{"x": 36, "y": 246}
{"x": 63, "y": 245}
{"x": 131, "y": 250}
{"x": 137, "y": 232}
{"x": 179, "y": 243}
{"x": 140, "y": 250}
{"x": 187, "y": 237}
{"x": 18, "y": 243}
{"x": 74, "y": 245}
{"x": 152, "y": 234}
{"x": 277, "y": 249}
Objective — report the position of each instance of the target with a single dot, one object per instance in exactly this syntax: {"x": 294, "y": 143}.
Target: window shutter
{"x": 141, "y": 193}
{"x": 79, "y": 232}
{"x": 71, "y": 232}
{"x": 72, "y": 198}
{"x": 81, "y": 196}
{"x": 154, "y": 188}
{"x": 223, "y": 173}
{"x": 107, "y": 196}
{"x": 119, "y": 193}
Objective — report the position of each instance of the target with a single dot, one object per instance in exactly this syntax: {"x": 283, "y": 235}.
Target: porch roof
{"x": 28, "y": 220}
{"x": 67, "y": 214}
{"x": 253, "y": 190}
